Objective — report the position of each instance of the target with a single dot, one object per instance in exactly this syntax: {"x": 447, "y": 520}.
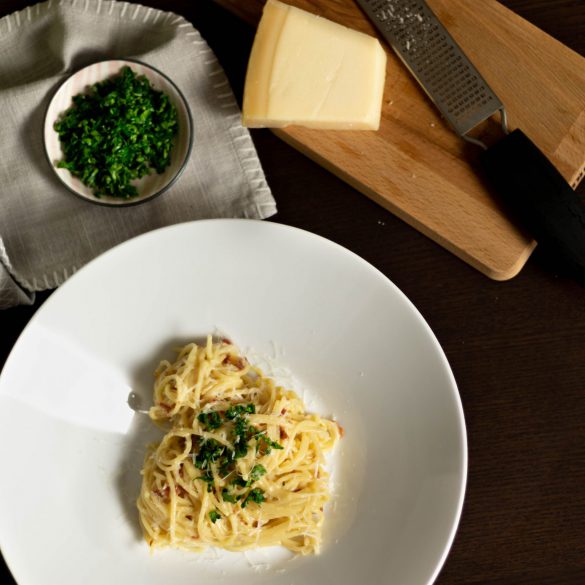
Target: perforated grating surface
{"x": 440, "y": 66}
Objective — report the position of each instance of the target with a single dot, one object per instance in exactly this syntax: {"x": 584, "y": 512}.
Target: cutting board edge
{"x": 499, "y": 274}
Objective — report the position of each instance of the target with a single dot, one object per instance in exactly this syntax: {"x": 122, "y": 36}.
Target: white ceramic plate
{"x": 71, "y": 448}
{"x": 149, "y": 186}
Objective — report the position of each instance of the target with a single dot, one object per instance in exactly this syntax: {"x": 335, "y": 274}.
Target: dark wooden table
{"x": 517, "y": 348}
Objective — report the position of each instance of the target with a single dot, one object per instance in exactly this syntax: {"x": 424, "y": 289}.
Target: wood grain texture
{"x": 417, "y": 168}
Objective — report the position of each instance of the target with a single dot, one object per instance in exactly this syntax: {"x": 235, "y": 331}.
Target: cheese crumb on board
{"x": 309, "y": 71}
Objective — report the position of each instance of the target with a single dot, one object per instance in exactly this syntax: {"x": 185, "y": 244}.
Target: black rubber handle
{"x": 540, "y": 197}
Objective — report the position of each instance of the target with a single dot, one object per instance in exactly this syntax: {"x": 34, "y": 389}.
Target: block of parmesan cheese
{"x": 308, "y": 71}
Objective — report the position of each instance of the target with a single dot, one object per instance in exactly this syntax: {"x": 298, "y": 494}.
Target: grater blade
{"x": 437, "y": 62}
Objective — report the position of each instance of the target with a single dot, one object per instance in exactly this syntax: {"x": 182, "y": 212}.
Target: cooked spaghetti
{"x": 241, "y": 465}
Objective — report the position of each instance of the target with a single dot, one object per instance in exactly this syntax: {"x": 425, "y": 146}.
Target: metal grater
{"x": 448, "y": 77}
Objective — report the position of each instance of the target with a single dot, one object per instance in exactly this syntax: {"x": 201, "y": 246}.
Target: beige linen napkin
{"x": 46, "y": 233}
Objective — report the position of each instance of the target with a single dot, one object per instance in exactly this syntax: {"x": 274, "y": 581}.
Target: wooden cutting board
{"x": 417, "y": 168}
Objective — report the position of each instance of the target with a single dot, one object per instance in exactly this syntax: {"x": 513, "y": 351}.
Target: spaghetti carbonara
{"x": 241, "y": 464}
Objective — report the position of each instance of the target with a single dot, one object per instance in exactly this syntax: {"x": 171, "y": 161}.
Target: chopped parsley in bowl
{"x": 118, "y": 132}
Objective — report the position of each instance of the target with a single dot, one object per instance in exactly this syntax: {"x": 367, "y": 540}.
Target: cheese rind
{"x": 309, "y": 71}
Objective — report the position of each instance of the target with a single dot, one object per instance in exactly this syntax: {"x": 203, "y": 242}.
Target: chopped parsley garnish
{"x": 257, "y": 472}
{"x": 210, "y": 420}
{"x": 214, "y": 516}
{"x": 267, "y": 444}
{"x": 255, "y": 495}
{"x": 241, "y": 482}
{"x": 210, "y": 451}
{"x": 227, "y": 497}
{"x": 226, "y": 464}
{"x": 234, "y": 411}
{"x": 241, "y": 428}
{"x": 122, "y": 130}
